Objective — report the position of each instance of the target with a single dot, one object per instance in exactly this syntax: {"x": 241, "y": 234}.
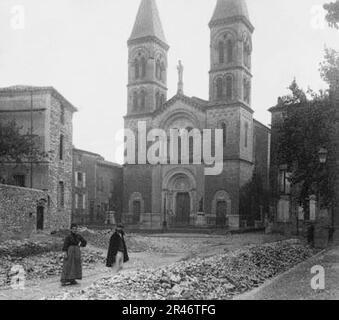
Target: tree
{"x": 16, "y": 147}
{"x": 253, "y": 197}
{"x": 307, "y": 126}
{"x": 329, "y": 68}
{"x": 332, "y": 16}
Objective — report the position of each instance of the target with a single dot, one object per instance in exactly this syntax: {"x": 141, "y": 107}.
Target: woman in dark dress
{"x": 72, "y": 268}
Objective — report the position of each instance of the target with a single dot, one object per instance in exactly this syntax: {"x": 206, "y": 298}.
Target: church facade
{"x": 182, "y": 195}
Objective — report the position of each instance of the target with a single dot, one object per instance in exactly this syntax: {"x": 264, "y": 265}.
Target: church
{"x": 182, "y": 195}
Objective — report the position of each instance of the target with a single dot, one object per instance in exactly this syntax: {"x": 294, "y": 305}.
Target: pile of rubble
{"x": 219, "y": 277}
{"x": 39, "y": 260}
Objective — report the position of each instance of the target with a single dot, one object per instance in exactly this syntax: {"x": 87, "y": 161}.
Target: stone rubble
{"x": 40, "y": 260}
{"x": 219, "y": 277}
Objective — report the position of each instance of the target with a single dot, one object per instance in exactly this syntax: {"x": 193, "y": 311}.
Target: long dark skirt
{"x": 72, "y": 269}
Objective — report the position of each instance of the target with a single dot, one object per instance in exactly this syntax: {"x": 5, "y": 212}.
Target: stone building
{"x": 44, "y": 114}
{"x": 181, "y": 195}
{"x": 288, "y": 216}
{"x": 97, "y": 188}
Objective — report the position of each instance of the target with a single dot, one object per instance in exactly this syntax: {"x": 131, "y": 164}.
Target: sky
{"x": 80, "y": 48}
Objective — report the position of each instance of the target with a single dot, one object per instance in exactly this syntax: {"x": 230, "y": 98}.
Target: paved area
{"x": 296, "y": 283}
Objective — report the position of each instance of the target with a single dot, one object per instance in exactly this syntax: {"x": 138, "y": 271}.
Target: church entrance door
{"x": 183, "y": 209}
{"x": 221, "y": 213}
{"x": 136, "y": 212}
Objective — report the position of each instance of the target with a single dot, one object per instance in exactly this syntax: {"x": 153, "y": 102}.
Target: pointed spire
{"x": 226, "y": 9}
{"x": 148, "y": 23}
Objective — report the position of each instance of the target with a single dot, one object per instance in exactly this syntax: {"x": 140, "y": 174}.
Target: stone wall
{"x": 18, "y": 211}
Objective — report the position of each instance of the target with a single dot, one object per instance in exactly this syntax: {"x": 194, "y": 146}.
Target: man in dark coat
{"x": 117, "y": 251}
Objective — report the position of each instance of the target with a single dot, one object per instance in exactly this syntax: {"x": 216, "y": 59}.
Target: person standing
{"x": 72, "y": 266}
{"x": 117, "y": 251}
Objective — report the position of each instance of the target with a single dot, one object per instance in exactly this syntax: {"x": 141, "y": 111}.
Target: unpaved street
{"x": 146, "y": 251}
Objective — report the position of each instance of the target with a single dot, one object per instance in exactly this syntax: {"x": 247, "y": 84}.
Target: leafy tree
{"x": 332, "y": 16}
{"x": 329, "y": 68}
{"x": 307, "y": 126}
{"x": 16, "y": 147}
{"x": 253, "y": 196}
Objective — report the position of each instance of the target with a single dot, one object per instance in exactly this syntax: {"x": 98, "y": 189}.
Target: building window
{"x": 229, "y": 88}
{"x": 224, "y": 133}
{"x": 100, "y": 184}
{"x": 19, "y": 180}
{"x": 61, "y": 195}
{"x": 62, "y": 115}
{"x": 143, "y": 67}
{"x": 162, "y": 100}
{"x": 61, "y": 147}
{"x": 219, "y": 89}
{"x": 221, "y": 52}
{"x": 229, "y": 51}
{"x": 247, "y": 53}
{"x": 158, "y": 70}
{"x": 80, "y": 179}
{"x": 246, "y": 135}
{"x": 162, "y": 72}
{"x": 136, "y": 69}
{"x": 76, "y": 204}
{"x": 135, "y": 100}
{"x": 284, "y": 180}
{"x": 143, "y": 100}
{"x": 84, "y": 206}
{"x": 79, "y": 159}
{"x": 157, "y": 100}
{"x": 247, "y": 90}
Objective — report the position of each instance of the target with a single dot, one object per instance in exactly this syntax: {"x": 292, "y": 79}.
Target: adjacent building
{"x": 97, "y": 189}
{"x": 46, "y": 116}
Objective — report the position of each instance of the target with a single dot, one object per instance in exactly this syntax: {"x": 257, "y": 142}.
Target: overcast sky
{"x": 79, "y": 47}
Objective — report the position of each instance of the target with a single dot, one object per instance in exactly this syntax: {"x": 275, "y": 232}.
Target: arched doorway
{"x": 221, "y": 208}
{"x": 136, "y": 211}
{"x": 136, "y": 208}
{"x": 179, "y": 196}
{"x": 183, "y": 209}
{"x": 221, "y": 213}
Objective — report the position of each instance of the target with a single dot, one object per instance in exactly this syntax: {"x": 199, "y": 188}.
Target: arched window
{"x": 219, "y": 88}
{"x": 247, "y": 90}
{"x": 229, "y": 50}
{"x": 224, "y": 133}
{"x": 143, "y": 100}
{"x": 246, "y": 135}
{"x": 136, "y": 69}
{"x": 162, "y": 100}
{"x": 143, "y": 67}
{"x": 247, "y": 53}
{"x": 229, "y": 88}
{"x": 158, "y": 70}
{"x": 221, "y": 52}
{"x": 135, "y": 100}
{"x": 162, "y": 72}
{"x": 157, "y": 100}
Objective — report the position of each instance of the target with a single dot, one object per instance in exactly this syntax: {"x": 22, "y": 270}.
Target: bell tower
{"x": 231, "y": 49}
{"x": 147, "y": 62}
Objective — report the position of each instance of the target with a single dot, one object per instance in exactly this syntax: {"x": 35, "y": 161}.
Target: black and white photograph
{"x": 182, "y": 151}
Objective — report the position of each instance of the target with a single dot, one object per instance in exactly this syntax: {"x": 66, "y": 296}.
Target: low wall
{"x": 18, "y": 211}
